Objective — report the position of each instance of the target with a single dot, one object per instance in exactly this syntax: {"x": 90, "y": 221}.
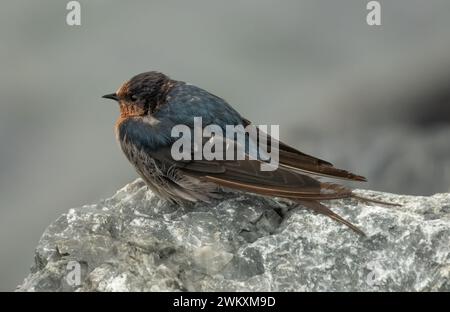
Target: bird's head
{"x": 142, "y": 94}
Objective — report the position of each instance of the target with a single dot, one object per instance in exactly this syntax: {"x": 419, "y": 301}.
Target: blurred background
{"x": 372, "y": 99}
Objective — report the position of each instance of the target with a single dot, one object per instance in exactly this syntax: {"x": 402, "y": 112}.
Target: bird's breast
{"x": 117, "y": 126}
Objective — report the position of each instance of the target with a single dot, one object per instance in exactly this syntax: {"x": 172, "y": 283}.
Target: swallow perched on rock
{"x": 151, "y": 104}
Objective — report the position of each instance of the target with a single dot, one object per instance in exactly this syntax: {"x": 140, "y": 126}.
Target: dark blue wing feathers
{"x": 188, "y": 101}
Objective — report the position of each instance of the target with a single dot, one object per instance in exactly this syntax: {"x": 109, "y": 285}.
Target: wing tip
{"x": 358, "y": 178}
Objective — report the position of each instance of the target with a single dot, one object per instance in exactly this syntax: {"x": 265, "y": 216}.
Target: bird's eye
{"x": 134, "y": 98}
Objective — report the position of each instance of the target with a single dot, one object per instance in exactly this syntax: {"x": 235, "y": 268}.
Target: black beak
{"x": 111, "y": 96}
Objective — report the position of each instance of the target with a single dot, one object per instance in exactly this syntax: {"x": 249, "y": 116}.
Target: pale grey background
{"x": 371, "y": 99}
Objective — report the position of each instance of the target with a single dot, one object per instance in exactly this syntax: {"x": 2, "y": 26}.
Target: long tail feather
{"x": 375, "y": 201}
{"x": 318, "y": 207}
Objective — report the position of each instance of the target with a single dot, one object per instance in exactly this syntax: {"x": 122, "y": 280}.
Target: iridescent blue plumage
{"x": 185, "y": 101}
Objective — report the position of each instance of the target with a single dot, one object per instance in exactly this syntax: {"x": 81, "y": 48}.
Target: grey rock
{"x": 134, "y": 241}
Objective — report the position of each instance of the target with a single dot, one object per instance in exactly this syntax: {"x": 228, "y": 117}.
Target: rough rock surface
{"x": 136, "y": 242}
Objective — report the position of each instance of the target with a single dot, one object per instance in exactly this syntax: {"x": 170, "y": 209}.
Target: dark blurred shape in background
{"x": 372, "y": 99}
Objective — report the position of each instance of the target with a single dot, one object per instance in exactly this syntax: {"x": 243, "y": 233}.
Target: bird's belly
{"x": 148, "y": 168}
{"x": 166, "y": 183}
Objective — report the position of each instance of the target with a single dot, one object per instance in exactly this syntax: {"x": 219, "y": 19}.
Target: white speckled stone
{"x": 136, "y": 242}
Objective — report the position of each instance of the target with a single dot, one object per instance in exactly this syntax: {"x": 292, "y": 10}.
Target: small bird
{"x": 151, "y": 104}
